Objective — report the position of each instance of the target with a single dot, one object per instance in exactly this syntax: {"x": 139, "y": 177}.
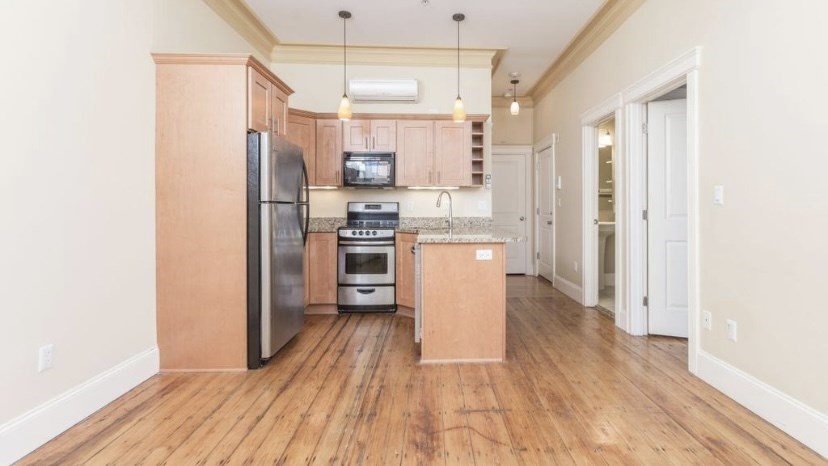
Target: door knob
{"x": 549, "y": 222}
{"x": 522, "y": 218}
{"x": 595, "y": 221}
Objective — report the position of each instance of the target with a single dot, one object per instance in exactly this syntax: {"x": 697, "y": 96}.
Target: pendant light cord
{"x": 458, "y": 59}
{"x": 344, "y": 57}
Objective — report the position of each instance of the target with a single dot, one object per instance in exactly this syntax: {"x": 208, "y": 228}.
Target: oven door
{"x": 366, "y": 265}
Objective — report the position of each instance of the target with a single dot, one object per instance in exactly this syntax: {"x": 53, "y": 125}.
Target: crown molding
{"x": 240, "y": 17}
{"x": 388, "y": 56}
{"x": 602, "y": 25}
{"x": 501, "y": 102}
{"x": 238, "y": 59}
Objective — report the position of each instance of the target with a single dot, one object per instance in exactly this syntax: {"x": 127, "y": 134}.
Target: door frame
{"x": 526, "y": 152}
{"x": 548, "y": 142}
{"x": 590, "y": 120}
{"x": 680, "y": 71}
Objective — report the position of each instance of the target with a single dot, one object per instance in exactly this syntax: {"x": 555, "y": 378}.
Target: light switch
{"x": 482, "y": 205}
{"x": 558, "y": 183}
{"x": 718, "y": 194}
{"x": 484, "y": 254}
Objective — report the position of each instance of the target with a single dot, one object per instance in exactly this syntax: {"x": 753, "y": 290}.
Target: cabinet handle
{"x": 413, "y": 250}
{"x": 366, "y": 142}
{"x": 374, "y": 142}
{"x": 438, "y": 177}
{"x": 337, "y": 177}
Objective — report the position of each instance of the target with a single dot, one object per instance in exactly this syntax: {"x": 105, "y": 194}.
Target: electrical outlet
{"x": 718, "y": 195}
{"x": 558, "y": 183}
{"x": 575, "y": 265}
{"x": 482, "y": 205}
{"x": 409, "y": 206}
{"x": 707, "y": 320}
{"x": 559, "y": 201}
{"x": 484, "y": 254}
{"x": 45, "y": 357}
{"x": 732, "y": 330}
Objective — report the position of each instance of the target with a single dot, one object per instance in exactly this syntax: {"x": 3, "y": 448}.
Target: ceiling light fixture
{"x": 459, "y": 113}
{"x": 515, "y": 108}
{"x": 605, "y": 140}
{"x": 344, "y": 113}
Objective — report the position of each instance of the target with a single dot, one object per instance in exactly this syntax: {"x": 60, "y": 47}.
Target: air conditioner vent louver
{"x": 383, "y": 90}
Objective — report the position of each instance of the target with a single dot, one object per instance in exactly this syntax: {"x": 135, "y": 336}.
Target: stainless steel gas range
{"x": 367, "y": 258}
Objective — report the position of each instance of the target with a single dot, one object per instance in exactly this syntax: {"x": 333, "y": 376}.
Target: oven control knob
{"x": 374, "y": 232}
{"x": 361, "y": 233}
{"x": 353, "y": 232}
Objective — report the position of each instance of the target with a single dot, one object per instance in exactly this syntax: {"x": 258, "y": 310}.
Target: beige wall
{"x": 77, "y": 137}
{"x": 762, "y": 113}
{"x": 513, "y": 129}
{"x": 319, "y": 88}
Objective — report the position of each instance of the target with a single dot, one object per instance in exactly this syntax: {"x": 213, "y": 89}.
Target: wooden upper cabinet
{"x": 301, "y": 130}
{"x": 369, "y": 136}
{"x": 415, "y": 153}
{"x": 258, "y": 101}
{"x": 328, "y": 153}
{"x": 356, "y": 135}
{"x": 383, "y": 135}
{"x": 278, "y": 112}
{"x": 452, "y": 153}
{"x": 322, "y": 268}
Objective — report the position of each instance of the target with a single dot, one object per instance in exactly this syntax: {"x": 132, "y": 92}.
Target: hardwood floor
{"x": 348, "y": 390}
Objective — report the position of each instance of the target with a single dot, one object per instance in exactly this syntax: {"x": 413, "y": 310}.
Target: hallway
{"x": 347, "y": 390}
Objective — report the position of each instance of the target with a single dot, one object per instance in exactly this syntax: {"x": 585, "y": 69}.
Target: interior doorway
{"x": 606, "y": 216}
{"x": 546, "y": 185}
{"x": 511, "y": 203}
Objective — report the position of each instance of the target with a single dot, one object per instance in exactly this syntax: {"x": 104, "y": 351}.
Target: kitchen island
{"x": 460, "y": 295}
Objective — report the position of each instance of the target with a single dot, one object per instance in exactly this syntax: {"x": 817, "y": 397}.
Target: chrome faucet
{"x": 451, "y": 217}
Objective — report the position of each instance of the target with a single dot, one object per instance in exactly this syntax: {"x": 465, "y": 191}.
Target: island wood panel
{"x": 301, "y": 131}
{"x": 322, "y": 268}
{"x": 463, "y": 303}
{"x": 405, "y": 270}
{"x": 201, "y": 168}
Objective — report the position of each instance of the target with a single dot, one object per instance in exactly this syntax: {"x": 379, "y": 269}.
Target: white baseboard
{"x": 570, "y": 289}
{"x": 798, "y": 420}
{"x": 23, "y": 434}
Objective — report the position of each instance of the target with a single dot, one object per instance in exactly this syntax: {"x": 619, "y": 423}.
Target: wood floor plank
{"x": 349, "y": 390}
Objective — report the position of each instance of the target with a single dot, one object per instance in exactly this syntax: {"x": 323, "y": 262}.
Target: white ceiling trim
{"x": 388, "y": 56}
{"x": 240, "y": 17}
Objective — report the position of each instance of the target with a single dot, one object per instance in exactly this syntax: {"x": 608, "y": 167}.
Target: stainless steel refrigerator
{"x": 277, "y": 230}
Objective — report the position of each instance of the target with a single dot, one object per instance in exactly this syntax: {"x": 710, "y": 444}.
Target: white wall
{"x": 77, "y": 137}
{"x": 762, "y": 111}
{"x": 319, "y": 89}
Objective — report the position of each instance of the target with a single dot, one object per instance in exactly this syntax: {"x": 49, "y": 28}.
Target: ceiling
{"x": 532, "y": 32}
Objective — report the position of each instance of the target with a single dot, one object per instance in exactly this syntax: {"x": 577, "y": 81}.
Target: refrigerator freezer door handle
{"x": 306, "y": 203}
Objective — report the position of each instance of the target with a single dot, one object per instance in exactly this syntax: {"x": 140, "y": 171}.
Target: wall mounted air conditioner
{"x": 383, "y": 90}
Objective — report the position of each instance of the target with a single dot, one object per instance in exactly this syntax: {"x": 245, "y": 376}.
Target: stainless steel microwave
{"x": 368, "y": 169}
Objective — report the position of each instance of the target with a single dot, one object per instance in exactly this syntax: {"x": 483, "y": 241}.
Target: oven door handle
{"x": 366, "y": 290}
{"x": 366, "y": 243}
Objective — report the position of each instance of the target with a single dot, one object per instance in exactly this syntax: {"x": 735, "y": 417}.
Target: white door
{"x": 509, "y": 205}
{"x": 667, "y": 217}
{"x": 546, "y": 214}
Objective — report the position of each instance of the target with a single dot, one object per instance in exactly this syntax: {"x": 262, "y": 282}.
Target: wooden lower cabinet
{"x": 405, "y": 269}
{"x": 322, "y": 268}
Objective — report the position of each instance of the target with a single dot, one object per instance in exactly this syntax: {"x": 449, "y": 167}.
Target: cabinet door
{"x": 356, "y": 136}
{"x": 322, "y": 268}
{"x": 414, "y": 164}
{"x": 328, "y": 152}
{"x": 278, "y": 111}
{"x": 383, "y": 135}
{"x": 302, "y": 132}
{"x": 258, "y": 101}
{"x": 405, "y": 269}
{"x": 452, "y": 153}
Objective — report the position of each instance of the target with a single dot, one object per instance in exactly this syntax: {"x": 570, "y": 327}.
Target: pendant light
{"x": 344, "y": 112}
{"x": 459, "y": 113}
{"x": 605, "y": 140}
{"x": 515, "y": 108}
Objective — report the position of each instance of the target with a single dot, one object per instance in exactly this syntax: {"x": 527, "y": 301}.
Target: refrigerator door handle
{"x": 305, "y": 202}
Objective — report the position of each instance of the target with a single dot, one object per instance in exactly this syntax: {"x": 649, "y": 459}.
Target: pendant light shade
{"x": 459, "y": 113}
{"x": 515, "y": 107}
{"x": 605, "y": 140}
{"x": 344, "y": 113}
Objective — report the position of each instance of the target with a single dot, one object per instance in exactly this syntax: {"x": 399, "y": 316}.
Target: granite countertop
{"x": 467, "y": 235}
